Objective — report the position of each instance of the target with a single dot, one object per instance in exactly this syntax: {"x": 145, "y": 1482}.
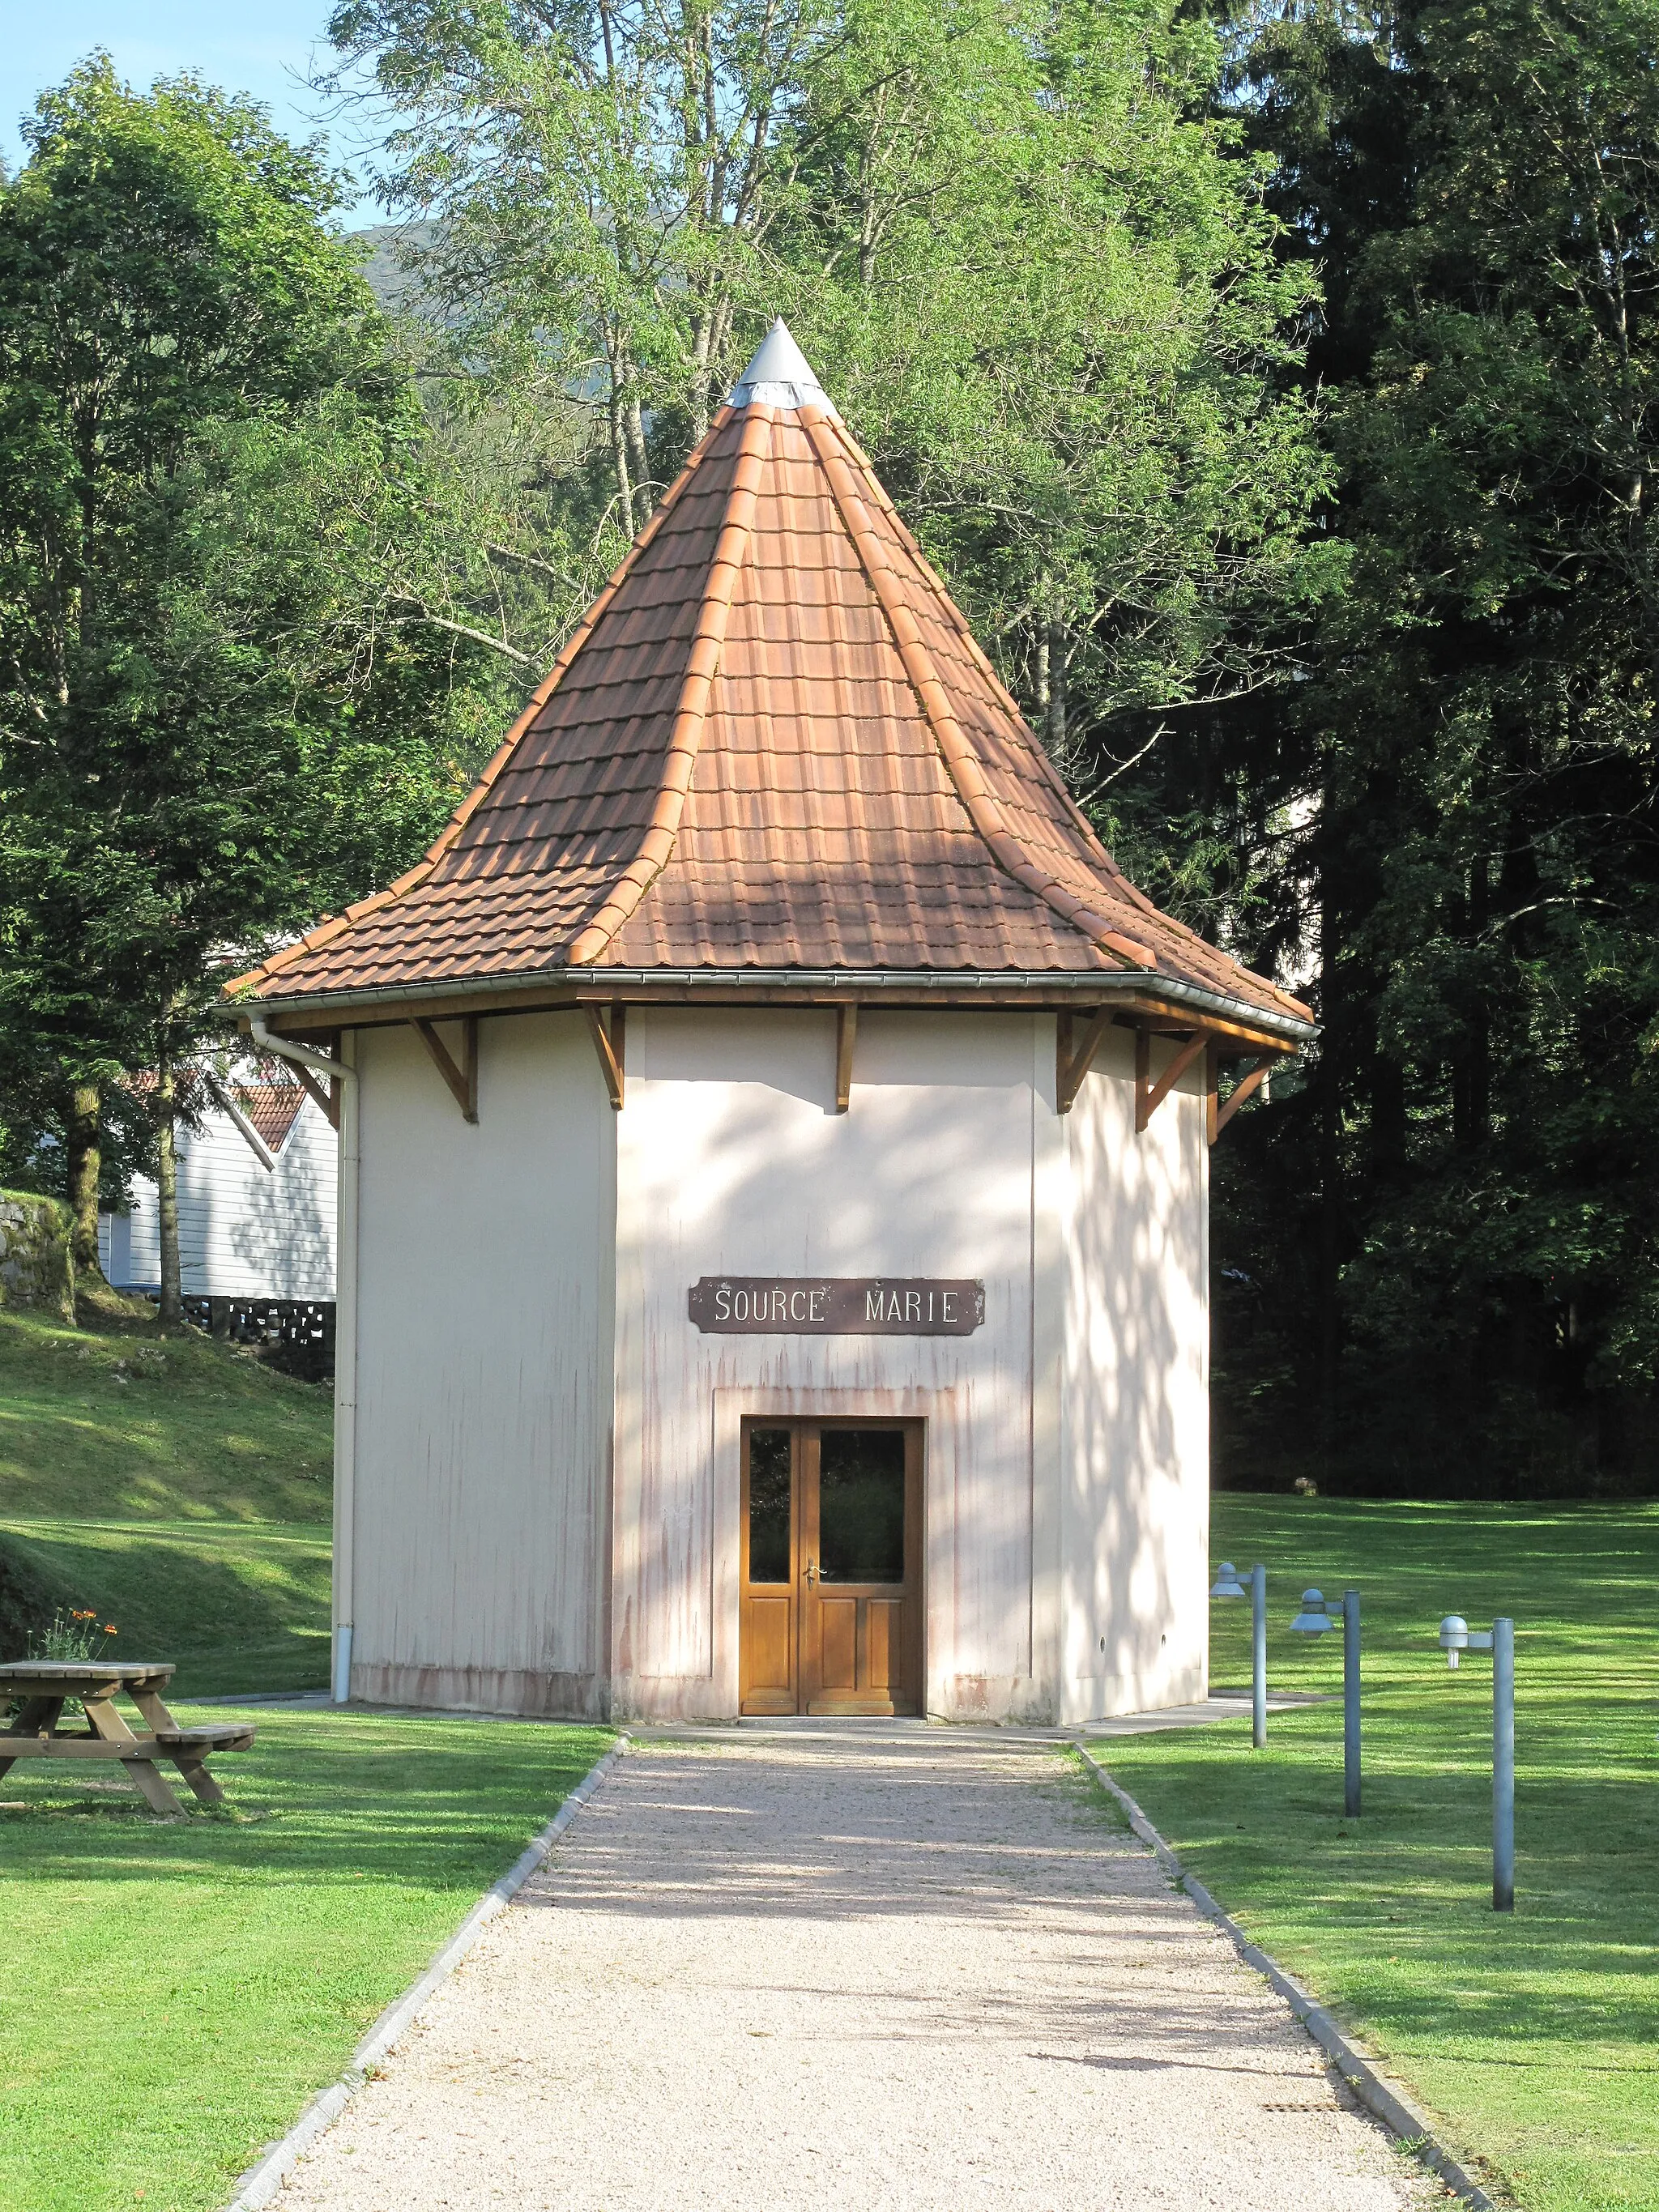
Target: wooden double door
{"x": 831, "y": 1567}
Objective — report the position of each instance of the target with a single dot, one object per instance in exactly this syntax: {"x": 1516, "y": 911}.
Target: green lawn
{"x": 120, "y": 1422}
{"x": 1534, "y": 2039}
{"x": 176, "y": 1486}
{"x": 239, "y": 1606}
{"x": 172, "y": 1992}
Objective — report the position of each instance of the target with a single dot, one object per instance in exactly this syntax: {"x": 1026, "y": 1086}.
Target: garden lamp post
{"x": 1455, "y": 1636}
{"x": 1315, "y": 1618}
{"x": 1227, "y": 1584}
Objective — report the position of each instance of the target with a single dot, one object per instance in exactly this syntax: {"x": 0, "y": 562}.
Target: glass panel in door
{"x": 861, "y": 1505}
{"x": 768, "y": 1621}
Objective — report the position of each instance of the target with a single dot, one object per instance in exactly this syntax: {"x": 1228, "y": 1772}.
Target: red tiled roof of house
{"x": 772, "y": 743}
{"x": 272, "y": 1108}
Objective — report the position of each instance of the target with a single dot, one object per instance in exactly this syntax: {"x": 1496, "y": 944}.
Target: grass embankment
{"x": 176, "y": 1486}
{"x": 172, "y": 1992}
{"x": 1535, "y": 2037}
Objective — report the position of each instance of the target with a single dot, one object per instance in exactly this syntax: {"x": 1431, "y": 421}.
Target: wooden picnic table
{"x": 45, "y": 1685}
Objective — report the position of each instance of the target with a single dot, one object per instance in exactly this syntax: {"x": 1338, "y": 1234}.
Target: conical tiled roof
{"x": 772, "y": 744}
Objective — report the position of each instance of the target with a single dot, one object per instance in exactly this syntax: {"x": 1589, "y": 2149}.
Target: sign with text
{"x": 836, "y": 1305}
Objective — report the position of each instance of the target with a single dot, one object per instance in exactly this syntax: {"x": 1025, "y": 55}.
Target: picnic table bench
{"x": 44, "y": 1687}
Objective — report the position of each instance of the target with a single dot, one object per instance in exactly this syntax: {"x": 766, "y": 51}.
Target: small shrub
{"x": 72, "y": 1635}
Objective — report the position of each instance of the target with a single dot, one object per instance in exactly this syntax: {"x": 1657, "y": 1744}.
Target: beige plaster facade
{"x": 537, "y": 1490}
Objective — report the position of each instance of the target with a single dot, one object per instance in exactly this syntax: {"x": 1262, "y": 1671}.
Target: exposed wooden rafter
{"x": 464, "y": 1080}
{"x": 604, "y": 1026}
{"x": 847, "y": 1030}
{"x": 1245, "y": 1088}
{"x": 1149, "y": 1096}
{"x": 565, "y": 988}
{"x": 1168, "y": 1019}
{"x": 1071, "y": 1065}
{"x": 327, "y": 1101}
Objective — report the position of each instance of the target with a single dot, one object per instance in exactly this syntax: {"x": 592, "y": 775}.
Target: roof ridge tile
{"x": 960, "y": 759}
{"x": 335, "y": 925}
{"x": 657, "y": 846}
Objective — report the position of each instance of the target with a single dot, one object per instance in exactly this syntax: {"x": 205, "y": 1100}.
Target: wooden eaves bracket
{"x": 463, "y": 1081}
{"x": 1221, "y": 1112}
{"x": 327, "y": 1101}
{"x": 1149, "y": 1096}
{"x": 1073, "y": 1062}
{"x": 1071, "y": 1065}
{"x": 226, "y": 1101}
{"x": 606, "y": 1027}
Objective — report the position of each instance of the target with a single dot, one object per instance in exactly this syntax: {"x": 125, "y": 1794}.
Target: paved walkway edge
{"x": 1386, "y": 2098}
{"x": 261, "y": 2185}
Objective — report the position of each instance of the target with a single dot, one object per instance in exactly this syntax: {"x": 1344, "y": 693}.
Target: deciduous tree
{"x": 202, "y": 739}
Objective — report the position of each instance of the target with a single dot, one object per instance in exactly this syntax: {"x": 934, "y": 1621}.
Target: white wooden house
{"x": 774, "y": 1138}
{"x": 257, "y": 1202}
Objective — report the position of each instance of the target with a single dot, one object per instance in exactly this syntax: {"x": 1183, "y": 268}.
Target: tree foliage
{"x": 1038, "y": 276}
{"x": 1475, "y": 741}
{"x": 200, "y": 741}
{"x": 1044, "y": 279}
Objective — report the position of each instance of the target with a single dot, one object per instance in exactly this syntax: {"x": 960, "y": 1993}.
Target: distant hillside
{"x": 123, "y": 1423}
{"x": 392, "y": 285}
{"x": 173, "y": 1485}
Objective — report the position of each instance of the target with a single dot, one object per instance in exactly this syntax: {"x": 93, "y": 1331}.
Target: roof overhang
{"x": 1139, "y": 997}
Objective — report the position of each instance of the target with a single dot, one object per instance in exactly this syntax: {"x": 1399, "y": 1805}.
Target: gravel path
{"x": 859, "y": 1971}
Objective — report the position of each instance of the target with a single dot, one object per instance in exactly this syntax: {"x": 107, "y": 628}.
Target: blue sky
{"x": 261, "y": 46}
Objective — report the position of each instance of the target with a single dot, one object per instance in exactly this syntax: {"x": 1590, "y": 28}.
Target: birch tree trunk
{"x": 1057, "y": 657}
{"x": 634, "y": 424}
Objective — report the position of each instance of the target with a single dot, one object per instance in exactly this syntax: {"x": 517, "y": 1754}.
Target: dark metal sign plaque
{"x": 836, "y": 1305}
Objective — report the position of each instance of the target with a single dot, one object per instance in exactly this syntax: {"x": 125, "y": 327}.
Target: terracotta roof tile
{"x": 773, "y": 743}
{"x": 272, "y": 1108}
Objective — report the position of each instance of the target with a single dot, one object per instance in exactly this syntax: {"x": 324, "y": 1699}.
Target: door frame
{"x": 939, "y": 1410}
{"x": 802, "y": 1424}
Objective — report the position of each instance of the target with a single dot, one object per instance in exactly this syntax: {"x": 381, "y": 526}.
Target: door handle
{"x": 812, "y": 1573}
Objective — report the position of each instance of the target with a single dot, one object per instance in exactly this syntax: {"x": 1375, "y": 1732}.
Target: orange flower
{"x": 109, "y": 1628}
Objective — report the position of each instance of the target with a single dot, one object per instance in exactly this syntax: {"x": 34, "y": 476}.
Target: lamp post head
{"x": 1313, "y": 1620}
{"x": 1226, "y": 1583}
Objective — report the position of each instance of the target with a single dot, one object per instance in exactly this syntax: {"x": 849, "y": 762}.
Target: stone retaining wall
{"x": 35, "y": 1266}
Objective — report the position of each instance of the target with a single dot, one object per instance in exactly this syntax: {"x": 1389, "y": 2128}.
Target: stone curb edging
{"x": 261, "y": 2185}
{"x": 1385, "y": 2098}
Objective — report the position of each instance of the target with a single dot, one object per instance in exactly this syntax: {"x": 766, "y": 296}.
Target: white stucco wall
{"x": 1136, "y": 1497}
{"x": 545, "y": 1449}
{"x": 731, "y": 1160}
{"x": 244, "y": 1230}
{"x": 480, "y": 1400}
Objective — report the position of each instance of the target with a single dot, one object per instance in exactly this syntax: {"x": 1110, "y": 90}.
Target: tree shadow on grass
{"x": 325, "y": 1798}
{"x": 170, "y": 1599}
{"x": 1390, "y": 1915}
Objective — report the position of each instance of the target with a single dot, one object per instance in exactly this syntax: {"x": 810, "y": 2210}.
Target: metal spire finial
{"x": 780, "y": 376}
